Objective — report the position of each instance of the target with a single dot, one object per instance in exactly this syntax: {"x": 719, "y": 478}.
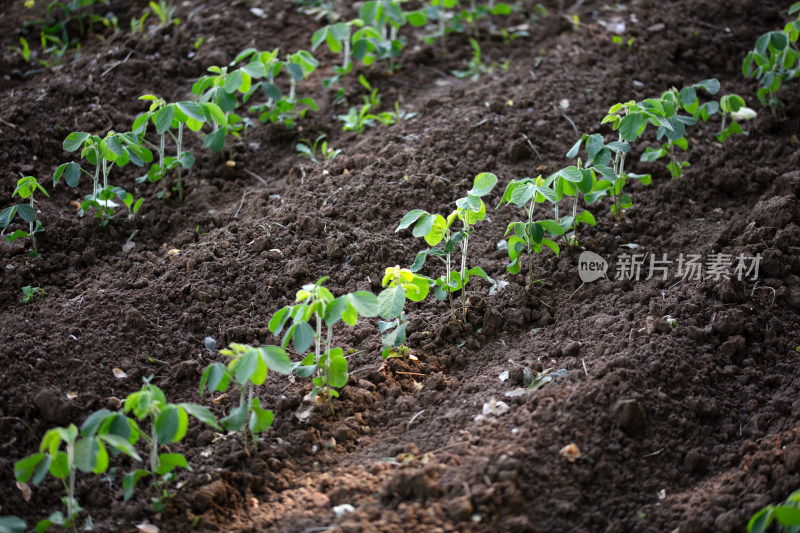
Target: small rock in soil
{"x": 214, "y": 492}
{"x": 630, "y": 415}
{"x": 791, "y": 456}
{"x": 53, "y": 407}
{"x": 492, "y": 322}
{"x": 728, "y": 322}
{"x": 515, "y": 317}
{"x": 571, "y": 349}
{"x": 459, "y": 509}
{"x": 184, "y": 370}
{"x": 318, "y": 499}
{"x": 775, "y": 211}
{"x": 696, "y": 462}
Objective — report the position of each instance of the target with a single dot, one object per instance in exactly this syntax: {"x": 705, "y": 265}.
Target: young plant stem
{"x": 179, "y": 142}
{"x": 161, "y": 168}
{"x": 96, "y": 174}
{"x": 619, "y": 168}
{"x": 328, "y": 368}
{"x": 450, "y": 293}
{"x": 71, "y": 488}
{"x": 346, "y": 54}
{"x": 464, "y": 246}
{"x": 530, "y": 244}
{"x": 250, "y": 403}
{"x": 153, "y": 446}
{"x": 30, "y": 230}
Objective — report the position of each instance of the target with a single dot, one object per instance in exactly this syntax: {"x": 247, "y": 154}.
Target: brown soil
{"x": 693, "y": 428}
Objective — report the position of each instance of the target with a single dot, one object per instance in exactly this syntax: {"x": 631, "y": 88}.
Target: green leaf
{"x": 479, "y": 272}
{"x": 339, "y": 372}
{"x": 364, "y": 302}
{"x": 630, "y": 126}
{"x": 484, "y": 183}
{"x": 687, "y": 96}
{"x": 215, "y": 141}
{"x": 74, "y": 141}
{"x": 12, "y": 524}
{"x": 760, "y": 521}
{"x": 303, "y": 337}
{"x": 7, "y": 215}
{"x": 571, "y": 174}
{"x": 417, "y": 18}
{"x": 89, "y": 454}
{"x": 192, "y": 110}
{"x": 409, "y": 219}
{"x": 260, "y": 419}
{"x": 34, "y": 466}
{"x": 216, "y": 377}
{"x": 787, "y": 515}
{"x": 129, "y": 482}
{"x": 469, "y": 203}
{"x": 59, "y": 467}
{"x": 171, "y": 424}
{"x": 201, "y": 413}
{"x": 236, "y": 418}
{"x": 27, "y": 213}
{"x": 120, "y": 444}
{"x": 391, "y": 302}
{"x": 396, "y": 337}
{"x": 437, "y": 232}
{"x": 278, "y": 320}
{"x": 710, "y": 85}
{"x": 424, "y": 225}
{"x": 163, "y": 119}
{"x": 296, "y": 71}
{"x": 167, "y": 462}
{"x": 552, "y": 226}
{"x": 251, "y": 368}
{"x": 586, "y": 218}
{"x": 94, "y": 421}
{"x": 276, "y": 359}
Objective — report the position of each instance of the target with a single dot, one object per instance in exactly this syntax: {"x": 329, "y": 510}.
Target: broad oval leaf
{"x": 303, "y": 337}
{"x": 75, "y": 140}
{"x": 364, "y": 302}
{"x": 391, "y": 302}
{"x": 276, "y": 359}
{"x": 171, "y": 424}
{"x": 484, "y": 183}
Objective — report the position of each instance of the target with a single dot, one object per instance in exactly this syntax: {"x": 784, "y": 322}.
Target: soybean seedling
{"x": 103, "y": 153}
{"x": 247, "y": 369}
{"x": 774, "y": 60}
{"x": 733, "y": 105}
{"x": 570, "y": 181}
{"x": 436, "y": 229}
{"x": 401, "y": 284}
{"x": 476, "y": 67}
{"x": 164, "y": 11}
{"x": 629, "y": 120}
{"x": 26, "y": 187}
{"x": 316, "y": 303}
{"x": 316, "y": 150}
{"x": 665, "y": 114}
{"x": 278, "y": 109}
{"x": 529, "y": 236}
{"x": 29, "y": 293}
{"x": 166, "y": 118}
{"x": 86, "y": 452}
{"x": 168, "y": 424}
